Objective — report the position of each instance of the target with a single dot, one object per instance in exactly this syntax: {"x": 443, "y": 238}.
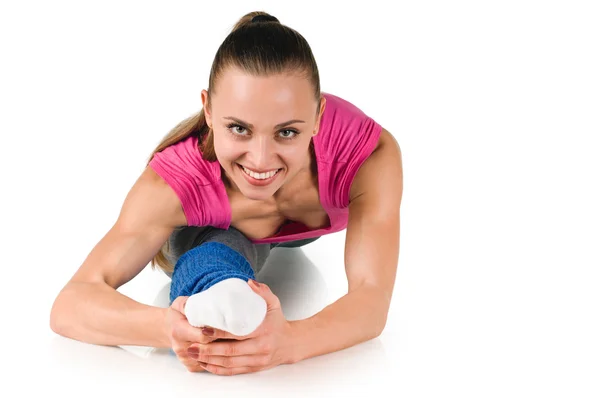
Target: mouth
{"x": 255, "y": 179}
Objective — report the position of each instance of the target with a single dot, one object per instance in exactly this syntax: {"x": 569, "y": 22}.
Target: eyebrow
{"x": 241, "y": 122}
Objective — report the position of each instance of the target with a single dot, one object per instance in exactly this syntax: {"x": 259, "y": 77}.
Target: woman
{"x": 269, "y": 161}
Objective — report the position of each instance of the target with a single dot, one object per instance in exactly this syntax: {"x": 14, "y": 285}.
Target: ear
{"x": 321, "y": 110}
{"x": 207, "y": 115}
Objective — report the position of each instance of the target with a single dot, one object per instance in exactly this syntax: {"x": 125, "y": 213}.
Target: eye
{"x": 290, "y": 137}
{"x": 236, "y": 130}
{"x": 233, "y": 128}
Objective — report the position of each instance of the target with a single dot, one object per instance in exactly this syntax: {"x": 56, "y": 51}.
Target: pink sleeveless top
{"x": 345, "y": 140}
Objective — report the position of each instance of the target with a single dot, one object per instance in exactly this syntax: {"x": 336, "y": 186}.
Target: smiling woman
{"x": 268, "y": 161}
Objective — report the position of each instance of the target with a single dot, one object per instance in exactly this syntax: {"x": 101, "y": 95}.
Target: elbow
{"x": 376, "y": 324}
{"x": 381, "y": 318}
{"x": 380, "y": 310}
{"x": 376, "y": 311}
{"x": 57, "y": 315}
{"x": 380, "y": 326}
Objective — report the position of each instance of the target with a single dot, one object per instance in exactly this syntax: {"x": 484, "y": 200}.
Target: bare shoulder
{"x": 150, "y": 212}
{"x": 386, "y": 159}
{"x": 386, "y": 139}
{"x": 153, "y": 197}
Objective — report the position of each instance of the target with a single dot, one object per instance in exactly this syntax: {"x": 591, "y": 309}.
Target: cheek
{"x": 290, "y": 154}
{"x": 226, "y": 150}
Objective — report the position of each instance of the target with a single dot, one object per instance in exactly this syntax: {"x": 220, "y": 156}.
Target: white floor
{"x": 464, "y": 327}
{"x": 304, "y": 288}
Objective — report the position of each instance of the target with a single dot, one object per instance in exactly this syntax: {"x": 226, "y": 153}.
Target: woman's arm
{"x": 371, "y": 258}
{"x": 89, "y": 308}
{"x": 96, "y": 313}
{"x": 358, "y": 316}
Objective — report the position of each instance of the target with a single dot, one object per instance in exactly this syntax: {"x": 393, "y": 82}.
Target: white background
{"x": 496, "y": 107}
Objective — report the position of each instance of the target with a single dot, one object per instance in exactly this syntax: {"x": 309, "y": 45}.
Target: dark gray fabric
{"x": 186, "y": 238}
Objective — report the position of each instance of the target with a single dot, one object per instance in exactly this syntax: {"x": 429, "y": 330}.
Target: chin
{"x": 258, "y": 196}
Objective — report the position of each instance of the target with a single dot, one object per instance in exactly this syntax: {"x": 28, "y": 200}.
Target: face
{"x": 264, "y": 124}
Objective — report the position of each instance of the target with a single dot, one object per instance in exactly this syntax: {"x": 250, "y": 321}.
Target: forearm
{"x": 356, "y": 317}
{"x": 97, "y": 314}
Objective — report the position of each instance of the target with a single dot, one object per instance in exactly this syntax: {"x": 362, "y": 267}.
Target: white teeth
{"x": 260, "y": 176}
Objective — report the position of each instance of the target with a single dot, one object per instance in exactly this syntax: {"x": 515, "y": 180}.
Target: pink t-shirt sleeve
{"x": 181, "y": 167}
{"x": 351, "y": 137}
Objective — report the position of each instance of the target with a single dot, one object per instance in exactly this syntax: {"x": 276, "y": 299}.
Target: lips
{"x": 257, "y": 182}
{"x": 258, "y": 172}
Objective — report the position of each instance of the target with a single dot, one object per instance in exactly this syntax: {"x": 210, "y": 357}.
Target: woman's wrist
{"x": 293, "y": 343}
{"x": 164, "y": 341}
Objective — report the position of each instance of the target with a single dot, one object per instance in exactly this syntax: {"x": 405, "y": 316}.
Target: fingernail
{"x": 255, "y": 283}
{"x": 208, "y": 331}
{"x": 193, "y": 352}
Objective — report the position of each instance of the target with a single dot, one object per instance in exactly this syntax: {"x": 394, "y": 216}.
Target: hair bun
{"x": 265, "y": 18}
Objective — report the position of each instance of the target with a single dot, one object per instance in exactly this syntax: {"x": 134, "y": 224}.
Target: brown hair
{"x": 260, "y": 48}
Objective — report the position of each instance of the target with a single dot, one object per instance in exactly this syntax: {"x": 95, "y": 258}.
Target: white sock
{"x": 230, "y": 305}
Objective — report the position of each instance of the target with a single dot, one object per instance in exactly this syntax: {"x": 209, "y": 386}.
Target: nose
{"x": 261, "y": 152}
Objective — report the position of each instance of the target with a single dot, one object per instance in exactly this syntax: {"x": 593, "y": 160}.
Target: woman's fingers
{"x": 208, "y": 333}
{"x": 182, "y": 330}
{"x": 229, "y": 348}
{"x": 253, "y": 361}
{"x": 192, "y": 365}
{"x": 221, "y": 371}
{"x": 179, "y": 304}
{"x": 188, "y": 333}
{"x": 221, "y": 334}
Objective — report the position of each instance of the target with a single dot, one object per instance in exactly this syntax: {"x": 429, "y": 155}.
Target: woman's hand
{"x": 268, "y": 346}
{"x": 182, "y": 334}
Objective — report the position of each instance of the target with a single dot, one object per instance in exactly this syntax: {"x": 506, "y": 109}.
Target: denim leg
{"x": 206, "y": 256}
{"x": 205, "y": 265}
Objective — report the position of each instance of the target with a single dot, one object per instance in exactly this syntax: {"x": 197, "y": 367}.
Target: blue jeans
{"x": 204, "y": 256}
